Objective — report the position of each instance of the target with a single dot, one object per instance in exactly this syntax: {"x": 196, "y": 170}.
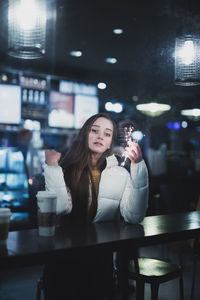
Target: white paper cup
{"x": 46, "y": 202}
{"x": 5, "y": 214}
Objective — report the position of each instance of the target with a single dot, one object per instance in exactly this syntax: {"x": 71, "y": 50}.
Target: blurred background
{"x": 62, "y": 61}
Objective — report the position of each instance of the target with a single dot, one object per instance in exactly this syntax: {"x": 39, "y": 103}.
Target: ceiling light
{"x": 26, "y": 28}
{"x": 135, "y": 98}
{"x": 115, "y": 107}
{"x": 111, "y": 60}
{"x": 101, "y": 85}
{"x": 187, "y": 60}
{"x": 118, "y": 107}
{"x": 108, "y": 106}
{"x": 75, "y": 53}
{"x": 4, "y": 77}
{"x": 117, "y": 31}
{"x": 193, "y": 114}
{"x": 153, "y": 109}
{"x": 184, "y": 124}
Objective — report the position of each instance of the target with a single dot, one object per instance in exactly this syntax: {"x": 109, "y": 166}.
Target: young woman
{"x": 89, "y": 183}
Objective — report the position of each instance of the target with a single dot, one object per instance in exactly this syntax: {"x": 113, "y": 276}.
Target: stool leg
{"x": 181, "y": 287}
{"x": 39, "y": 289}
{"x": 154, "y": 290}
{"x": 38, "y": 293}
{"x": 193, "y": 278}
{"x": 139, "y": 289}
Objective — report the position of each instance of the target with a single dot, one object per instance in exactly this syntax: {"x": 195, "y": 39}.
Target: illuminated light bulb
{"x": 137, "y": 135}
{"x": 195, "y": 112}
{"x": 153, "y": 109}
{"x": 118, "y": 108}
{"x": 27, "y": 12}
{"x": 101, "y": 85}
{"x": 111, "y": 60}
{"x": 117, "y": 31}
{"x": 184, "y": 124}
{"x": 76, "y": 53}
{"x": 187, "y": 53}
{"x": 108, "y": 106}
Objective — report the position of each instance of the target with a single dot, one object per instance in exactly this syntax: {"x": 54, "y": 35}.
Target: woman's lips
{"x": 98, "y": 144}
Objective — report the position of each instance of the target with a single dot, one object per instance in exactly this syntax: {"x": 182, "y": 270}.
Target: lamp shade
{"x": 26, "y": 28}
{"x": 192, "y": 114}
{"x": 153, "y": 109}
{"x": 187, "y": 60}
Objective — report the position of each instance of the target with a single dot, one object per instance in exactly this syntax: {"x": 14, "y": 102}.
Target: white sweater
{"x": 120, "y": 192}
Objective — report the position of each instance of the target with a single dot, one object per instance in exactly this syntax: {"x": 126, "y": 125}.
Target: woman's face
{"x": 100, "y": 135}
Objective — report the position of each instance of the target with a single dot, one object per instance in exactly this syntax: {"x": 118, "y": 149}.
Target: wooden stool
{"x": 154, "y": 272}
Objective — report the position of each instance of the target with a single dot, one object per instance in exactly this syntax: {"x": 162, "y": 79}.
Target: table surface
{"x": 26, "y": 247}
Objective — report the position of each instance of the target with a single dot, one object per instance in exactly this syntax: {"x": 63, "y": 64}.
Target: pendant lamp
{"x": 26, "y": 28}
{"x": 153, "y": 109}
{"x": 187, "y": 60}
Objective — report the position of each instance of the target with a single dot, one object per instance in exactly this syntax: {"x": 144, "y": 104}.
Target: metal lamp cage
{"x": 187, "y": 74}
{"x": 23, "y": 41}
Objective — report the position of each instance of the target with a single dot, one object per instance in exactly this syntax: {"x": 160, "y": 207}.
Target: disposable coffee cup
{"x": 5, "y": 214}
{"x": 46, "y": 202}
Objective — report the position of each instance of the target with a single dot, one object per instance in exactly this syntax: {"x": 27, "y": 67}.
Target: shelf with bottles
{"x": 34, "y": 97}
{"x": 30, "y": 81}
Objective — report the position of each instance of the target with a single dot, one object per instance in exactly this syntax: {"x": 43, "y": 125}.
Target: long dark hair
{"x": 76, "y": 165}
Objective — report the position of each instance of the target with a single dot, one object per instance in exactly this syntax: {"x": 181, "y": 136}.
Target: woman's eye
{"x": 108, "y": 134}
{"x": 94, "y": 130}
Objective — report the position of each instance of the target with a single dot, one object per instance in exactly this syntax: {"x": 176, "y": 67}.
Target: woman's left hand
{"x": 134, "y": 152}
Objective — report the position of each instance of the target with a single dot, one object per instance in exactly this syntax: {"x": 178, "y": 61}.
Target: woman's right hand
{"x": 52, "y": 157}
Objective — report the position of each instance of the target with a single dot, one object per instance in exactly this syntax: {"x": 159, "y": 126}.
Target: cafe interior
{"x": 62, "y": 61}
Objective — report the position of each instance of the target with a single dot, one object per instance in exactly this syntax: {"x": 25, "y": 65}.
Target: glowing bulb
{"x": 153, "y": 107}
{"x": 108, "y": 106}
{"x": 118, "y": 107}
{"x": 137, "y": 135}
{"x": 101, "y": 85}
{"x": 118, "y": 31}
{"x": 184, "y": 124}
{"x": 111, "y": 60}
{"x": 27, "y": 13}
{"x": 196, "y": 112}
{"x": 76, "y": 53}
{"x": 187, "y": 53}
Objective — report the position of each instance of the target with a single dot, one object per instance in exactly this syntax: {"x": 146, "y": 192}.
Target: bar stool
{"x": 154, "y": 272}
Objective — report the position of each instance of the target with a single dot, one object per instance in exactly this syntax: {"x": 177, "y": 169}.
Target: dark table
{"x": 27, "y": 248}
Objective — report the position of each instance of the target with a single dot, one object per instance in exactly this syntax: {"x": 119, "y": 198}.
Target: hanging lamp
{"x": 26, "y": 28}
{"x": 187, "y": 60}
{"x": 187, "y": 49}
{"x": 153, "y": 109}
{"x": 192, "y": 114}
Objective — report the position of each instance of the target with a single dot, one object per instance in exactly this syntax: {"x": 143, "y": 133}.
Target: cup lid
{"x": 46, "y": 194}
{"x": 5, "y": 211}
